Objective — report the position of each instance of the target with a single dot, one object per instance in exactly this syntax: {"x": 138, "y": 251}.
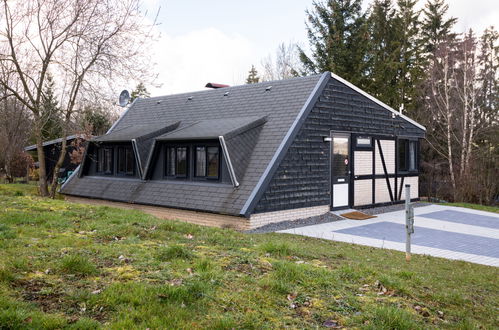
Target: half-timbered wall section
{"x": 303, "y": 177}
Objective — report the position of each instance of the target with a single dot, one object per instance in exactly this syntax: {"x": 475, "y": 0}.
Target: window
{"x": 213, "y": 159}
{"x": 176, "y": 162}
{"x": 407, "y": 155}
{"x": 207, "y": 161}
{"x": 363, "y": 141}
{"x": 105, "y": 160}
{"x": 200, "y": 161}
{"x": 412, "y": 156}
{"x": 126, "y": 161}
{"x": 402, "y": 155}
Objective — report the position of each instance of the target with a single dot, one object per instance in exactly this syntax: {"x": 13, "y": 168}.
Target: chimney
{"x": 215, "y": 85}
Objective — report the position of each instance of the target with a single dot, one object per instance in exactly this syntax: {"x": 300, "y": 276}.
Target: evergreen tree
{"x": 50, "y": 112}
{"x": 139, "y": 91}
{"x": 96, "y": 121}
{"x": 489, "y": 73}
{"x": 411, "y": 67}
{"x": 338, "y": 37}
{"x": 253, "y": 77}
{"x": 384, "y": 53}
{"x": 435, "y": 27}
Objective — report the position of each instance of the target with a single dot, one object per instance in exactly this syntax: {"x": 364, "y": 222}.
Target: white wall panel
{"x": 363, "y": 192}
{"x": 388, "y": 147}
{"x": 382, "y": 194}
{"x": 363, "y": 163}
{"x": 414, "y": 182}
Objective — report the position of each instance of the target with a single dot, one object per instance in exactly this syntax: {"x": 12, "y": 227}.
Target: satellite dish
{"x": 124, "y": 98}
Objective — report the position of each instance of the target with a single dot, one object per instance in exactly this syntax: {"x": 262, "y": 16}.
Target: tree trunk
{"x": 60, "y": 161}
{"x": 42, "y": 168}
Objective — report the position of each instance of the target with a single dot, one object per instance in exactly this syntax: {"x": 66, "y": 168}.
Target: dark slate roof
{"x": 281, "y": 106}
{"x": 128, "y": 133}
{"x": 213, "y": 128}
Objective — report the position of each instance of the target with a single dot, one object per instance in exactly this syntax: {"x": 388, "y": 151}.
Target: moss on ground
{"x": 66, "y": 265}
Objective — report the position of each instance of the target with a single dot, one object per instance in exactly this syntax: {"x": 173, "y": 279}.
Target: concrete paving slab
{"x": 464, "y": 217}
{"x": 436, "y": 237}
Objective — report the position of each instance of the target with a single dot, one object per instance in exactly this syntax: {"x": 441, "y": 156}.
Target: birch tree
{"x": 89, "y": 45}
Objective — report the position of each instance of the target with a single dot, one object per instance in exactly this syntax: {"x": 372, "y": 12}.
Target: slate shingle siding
{"x": 302, "y": 178}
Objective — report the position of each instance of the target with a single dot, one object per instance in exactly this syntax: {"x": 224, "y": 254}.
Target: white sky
{"x": 218, "y": 40}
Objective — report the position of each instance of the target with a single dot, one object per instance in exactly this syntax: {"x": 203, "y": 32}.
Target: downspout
{"x": 137, "y": 157}
{"x": 225, "y": 151}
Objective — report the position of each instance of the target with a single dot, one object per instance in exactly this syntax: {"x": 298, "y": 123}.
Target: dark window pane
{"x": 402, "y": 155}
{"x": 108, "y": 160}
{"x": 340, "y": 156}
{"x": 213, "y": 162}
{"x": 130, "y": 161}
{"x": 181, "y": 161}
{"x": 121, "y": 160}
{"x": 100, "y": 160}
{"x": 200, "y": 161}
{"x": 170, "y": 161}
{"x": 412, "y": 156}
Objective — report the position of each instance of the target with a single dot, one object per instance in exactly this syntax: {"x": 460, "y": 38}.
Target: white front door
{"x": 340, "y": 170}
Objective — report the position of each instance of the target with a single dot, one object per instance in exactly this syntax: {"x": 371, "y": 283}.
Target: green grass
{"x": 487, "y": 208}
{"x": 74, "y": 266}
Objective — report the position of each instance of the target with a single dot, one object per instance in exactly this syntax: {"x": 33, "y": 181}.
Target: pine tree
{"x": 139, "y": 91}
{"x": 50, "y": 112}
{"x": 411, "y": 68}
{"x": 253, "y": 77}
{"x": 338, "y": 37}
{"x": 435, "y": 27}
{"x": 488, "y": 75}
{"x": 384, "y": 53}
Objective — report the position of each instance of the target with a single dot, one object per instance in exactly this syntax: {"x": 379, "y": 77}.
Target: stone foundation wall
{"x": 211, "y": 219}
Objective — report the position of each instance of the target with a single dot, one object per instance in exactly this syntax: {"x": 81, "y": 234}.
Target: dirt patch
{"x": 42, "y": 293}
{"x": 50, "y": 299}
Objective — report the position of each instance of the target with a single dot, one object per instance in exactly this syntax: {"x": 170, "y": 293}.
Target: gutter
{"x": 225, "y": 151}
{"x": 137, "y": 156}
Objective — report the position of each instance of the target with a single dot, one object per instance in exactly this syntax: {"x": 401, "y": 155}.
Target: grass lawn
{"x": 487, "y": 208}
{"x": 66, "y": 265}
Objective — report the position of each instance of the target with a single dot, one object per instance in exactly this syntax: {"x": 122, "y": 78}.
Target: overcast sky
{"x": 218, "y": 40}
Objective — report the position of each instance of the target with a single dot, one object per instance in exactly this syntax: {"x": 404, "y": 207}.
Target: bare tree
{"x": 461, "y": 100}
{"x": 88, "y": 45}
{"x": 284, "y": 65}
{"x": 13, "y": 134}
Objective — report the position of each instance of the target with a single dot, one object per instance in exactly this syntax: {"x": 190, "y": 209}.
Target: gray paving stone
{"x": 433, "y": 238}
{"x": 464, "y": 218}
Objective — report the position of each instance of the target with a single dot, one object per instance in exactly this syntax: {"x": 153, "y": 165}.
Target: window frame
{"x": 166, "y": 159}
{"x": 206, "y": 146}
{"x": 126, "y": 150}
{"x": 191, "y": 161}
{"x": 407, "y": 159}
{"x": 363, "y": 145}
{"x": 101, "y": 161}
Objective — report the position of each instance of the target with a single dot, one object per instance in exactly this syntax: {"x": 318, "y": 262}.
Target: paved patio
{"x": 440, "y": 231}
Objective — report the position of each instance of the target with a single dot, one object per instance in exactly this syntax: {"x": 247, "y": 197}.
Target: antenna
{"x": 124, "y": 98}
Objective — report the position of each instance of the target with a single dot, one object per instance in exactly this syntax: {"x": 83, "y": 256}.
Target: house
{"x": 52, "y": 150}
{"x": 254, "y": 154}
